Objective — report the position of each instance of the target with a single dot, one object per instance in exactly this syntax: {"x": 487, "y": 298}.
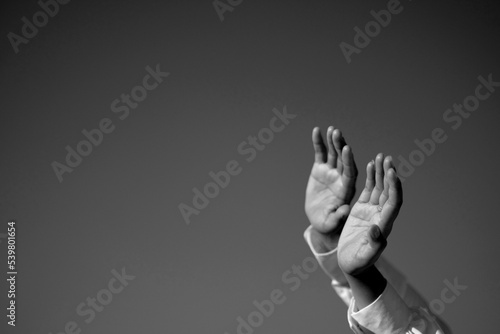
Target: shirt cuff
{"x": 327, "y": 261}
{"x": 387, "y": 314}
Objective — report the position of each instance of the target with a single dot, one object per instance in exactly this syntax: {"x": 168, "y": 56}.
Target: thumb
{"x": 337, "y": 219}
{"x": 377, "y": 241}
{"x": 342, "y": 213}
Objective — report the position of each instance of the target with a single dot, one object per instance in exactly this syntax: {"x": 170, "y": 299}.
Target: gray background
{"x": 119, "y": 208}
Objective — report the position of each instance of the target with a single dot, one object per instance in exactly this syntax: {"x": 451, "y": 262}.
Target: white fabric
{"x": 399, "y": 309}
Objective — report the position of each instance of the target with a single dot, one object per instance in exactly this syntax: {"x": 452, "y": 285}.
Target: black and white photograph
{"x": 249, "y": 166}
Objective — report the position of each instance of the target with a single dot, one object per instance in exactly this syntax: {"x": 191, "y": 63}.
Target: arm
{"x": 363, "y": 238}
{"x": 329, "y": 192}
{"x": 399, "y": 285}
{"x": 376, "y": 307}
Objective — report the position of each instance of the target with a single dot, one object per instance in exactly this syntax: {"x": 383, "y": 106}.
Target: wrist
{"x": 366, "y": 286}
{"x": 324, "y": 242}
{"x": 330, "y": 241}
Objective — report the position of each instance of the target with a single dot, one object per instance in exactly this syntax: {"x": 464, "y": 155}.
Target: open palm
{"x": 370, "y": 222}
{"x": 331, "y": 185}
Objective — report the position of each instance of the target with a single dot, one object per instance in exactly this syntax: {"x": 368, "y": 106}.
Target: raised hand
{"x": 370, "y": 222}
{"x": 331, "y": 185}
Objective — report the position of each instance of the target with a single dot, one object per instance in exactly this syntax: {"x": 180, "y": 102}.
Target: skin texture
{"x": 364, "y": 235}
{"x": 330, "y": 189}
{"x": 329, "y": 192}
{"x": 370, "y": 222}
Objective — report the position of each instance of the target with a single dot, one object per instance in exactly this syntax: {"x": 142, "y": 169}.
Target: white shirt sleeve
{"x": 399, "y": 309}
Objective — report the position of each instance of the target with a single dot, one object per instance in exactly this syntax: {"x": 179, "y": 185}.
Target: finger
{"x": 335, "y": 221}
{"x": 385, "y": 193}
{"x": 319, "y": 146}
{"x": 379, "y": 179}
{"x": 369, "y": 184}
{"x": 349, "y": 169}
{"x": 393, "y": 205}
{"x": 395, "y": 199}
{"x": 342, "y": 213}
{"x": 338, "y": 143}
{"x": 332, "y": 154}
